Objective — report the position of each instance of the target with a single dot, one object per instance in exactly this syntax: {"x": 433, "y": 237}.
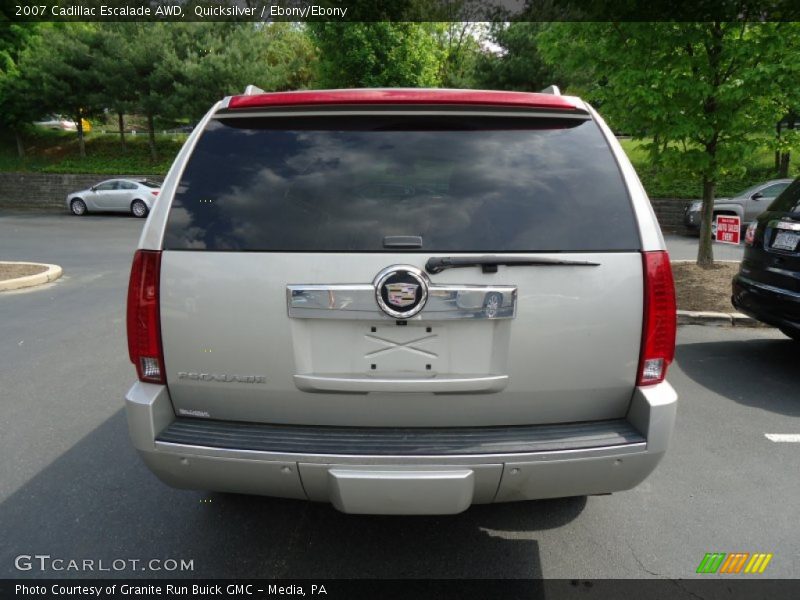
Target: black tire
{"x": 139, "y": 209}
{"x": 78, "y": 207}
{"x": 792, "y": 333}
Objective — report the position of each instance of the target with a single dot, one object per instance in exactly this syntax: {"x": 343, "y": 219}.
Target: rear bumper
{"x": 413, "y": 472}
{"x": 765, "y": 303}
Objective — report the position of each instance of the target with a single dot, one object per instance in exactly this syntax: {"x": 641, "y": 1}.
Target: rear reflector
{"x": 658, "y": 326}
{"x": 144, "y": 321}
{"x": 750, "y": 234}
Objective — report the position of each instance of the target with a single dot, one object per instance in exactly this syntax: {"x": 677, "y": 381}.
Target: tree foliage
{"x": 16, "y": 109}
{"x": 516, "y": 64}
{"x": 699, "y": 91}
{"x": 377, "y": 54}
{"x": 167, "y": 70}
{"x": 58, "y": 69}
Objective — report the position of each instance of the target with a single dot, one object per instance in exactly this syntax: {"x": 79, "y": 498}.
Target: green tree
{"x": 459, "y": 54}
{"x": 699, "y": 91}
{"x": 219, "y": 60}
{"x": 60, "y": 67}
{"x": 16, "y": 108}
{"x": 289, "y": 60}
{"x": 379, "y": 54}
{"x": 515, "y": 63}
{"x": 147, "y": 56}
{"x": 116, "y": 73}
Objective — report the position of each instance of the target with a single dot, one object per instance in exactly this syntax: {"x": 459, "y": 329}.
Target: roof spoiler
{"x": 252, "y": 90}
{"x": 551, "y": 89}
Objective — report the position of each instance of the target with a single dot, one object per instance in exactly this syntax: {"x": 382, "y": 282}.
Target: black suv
{"x": 767, "y": 286}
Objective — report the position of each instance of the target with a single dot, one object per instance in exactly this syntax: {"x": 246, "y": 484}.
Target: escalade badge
{"x": 401, "y": 291}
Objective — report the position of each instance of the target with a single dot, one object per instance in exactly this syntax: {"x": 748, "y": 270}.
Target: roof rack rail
{"x": 551, "y": 89}
{"x": 252, "y": 90}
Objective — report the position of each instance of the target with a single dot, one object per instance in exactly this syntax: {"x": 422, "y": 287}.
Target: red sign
{"x": 728, "y": 229}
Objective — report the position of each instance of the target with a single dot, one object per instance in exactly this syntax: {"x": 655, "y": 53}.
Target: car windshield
{"x": 343, "y": 184}
{"x": 749, "y": 191}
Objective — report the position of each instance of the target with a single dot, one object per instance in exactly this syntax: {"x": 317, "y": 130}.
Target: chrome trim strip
{"x": 433, "y": 384}
{"x": 357, "y": 301}
{"x": 786, "y": 225}
{"x": 770, "y": 288}
{"x": 424, "y": 459}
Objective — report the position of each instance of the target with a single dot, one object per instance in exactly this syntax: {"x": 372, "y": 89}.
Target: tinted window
{"x": 462, "y": 184}
{"x": 789, "y": 200}
{"x": 151, "y": 184}
{"x": 108, "y": 185}
{"x": 127, "y": 185}
{"x": 771, "y": 191}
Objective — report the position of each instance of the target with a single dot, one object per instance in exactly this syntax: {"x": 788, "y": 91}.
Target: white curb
{"x": 52, "y": 273}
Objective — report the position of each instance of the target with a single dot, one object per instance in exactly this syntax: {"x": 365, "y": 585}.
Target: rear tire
{"x": 78, "y": 207}
{"x": 139, "y": 209}
{"x": 792, "y": 333}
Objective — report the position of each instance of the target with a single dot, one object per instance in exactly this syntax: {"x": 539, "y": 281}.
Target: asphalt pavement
{"x": 684, "y": 247}
{"x": 72, "y": 487}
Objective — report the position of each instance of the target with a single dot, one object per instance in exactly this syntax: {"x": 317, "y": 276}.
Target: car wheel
{"x": 792, "y": 333}
{"x": 78, "y": 207}
{"x": 492, "y": 304}
{"x": 138, "y": 209}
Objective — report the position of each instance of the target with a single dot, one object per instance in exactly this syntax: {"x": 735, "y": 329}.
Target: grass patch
{"x": 57, "y": 152}
{"x": 661, "y": 182}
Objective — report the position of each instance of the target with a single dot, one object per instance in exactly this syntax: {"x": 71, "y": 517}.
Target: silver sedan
{"x": 116, "y": 195}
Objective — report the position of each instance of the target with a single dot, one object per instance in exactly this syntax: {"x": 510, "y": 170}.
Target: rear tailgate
{"x": 281, "y": 226}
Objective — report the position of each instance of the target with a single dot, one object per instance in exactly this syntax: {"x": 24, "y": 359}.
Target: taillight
{"x": 658, "y": 328}
{"x": 144, "y": 322}
{"x": 154, "y": 192}
{"x": 750, "y": 234}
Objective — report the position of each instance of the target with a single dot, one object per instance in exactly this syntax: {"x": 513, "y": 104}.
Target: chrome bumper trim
{"x": 358, "y": 301}
{"x": 458, "y": 459}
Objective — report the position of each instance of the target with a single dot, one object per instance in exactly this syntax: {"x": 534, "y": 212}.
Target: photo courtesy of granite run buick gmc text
{"x": 402, "y": 301}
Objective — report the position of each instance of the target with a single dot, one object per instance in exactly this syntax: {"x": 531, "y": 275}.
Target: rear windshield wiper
{"x": 489, "y": 264}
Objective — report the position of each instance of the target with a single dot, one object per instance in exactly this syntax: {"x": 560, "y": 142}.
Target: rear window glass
{"x": 151, "y": 184}
{"x": 343, "y": 184}
{"x": 789, "y": 200}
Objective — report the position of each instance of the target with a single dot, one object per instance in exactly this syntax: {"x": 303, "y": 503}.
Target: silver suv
{"x": 402, "y": 302}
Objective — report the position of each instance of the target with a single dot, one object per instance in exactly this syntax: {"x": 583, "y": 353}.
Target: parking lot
{"x": 71, "y": 485}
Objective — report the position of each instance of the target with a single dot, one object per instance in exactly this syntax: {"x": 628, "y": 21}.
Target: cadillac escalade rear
{"x": 402, "y": 301}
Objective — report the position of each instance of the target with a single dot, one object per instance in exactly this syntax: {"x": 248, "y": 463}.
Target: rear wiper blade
{"x": 489, "y": 264}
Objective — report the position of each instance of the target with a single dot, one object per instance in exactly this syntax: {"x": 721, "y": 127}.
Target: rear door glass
{"x": 343, "y": 184}
{"x": 789, "y": 200}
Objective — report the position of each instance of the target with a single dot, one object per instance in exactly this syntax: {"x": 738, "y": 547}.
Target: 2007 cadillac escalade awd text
{"x": 402, "y": 302}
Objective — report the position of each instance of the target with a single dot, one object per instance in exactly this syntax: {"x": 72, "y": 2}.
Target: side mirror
{"x": 757, "y": 196}
{"x": 93, "y": 188}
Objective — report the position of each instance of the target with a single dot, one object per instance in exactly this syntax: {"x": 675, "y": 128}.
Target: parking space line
{"x": 783, "y": 437}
